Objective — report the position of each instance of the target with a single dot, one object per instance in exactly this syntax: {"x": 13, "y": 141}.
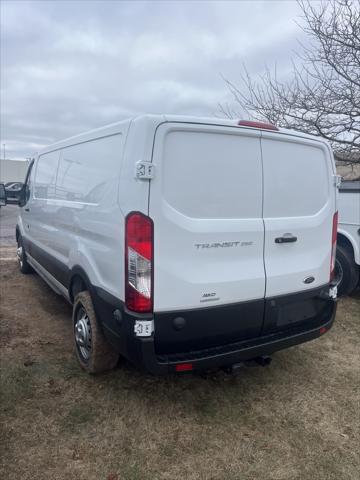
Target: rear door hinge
{"x": 145, "y": 170}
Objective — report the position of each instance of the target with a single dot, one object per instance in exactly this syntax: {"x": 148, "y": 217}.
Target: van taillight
{"x": 333, "y": 245}
{"x": 139, "y": 231}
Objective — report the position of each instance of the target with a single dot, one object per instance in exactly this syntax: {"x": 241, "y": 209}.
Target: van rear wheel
{"x": 346, "y": 271}
{"x": 93, "y": 352}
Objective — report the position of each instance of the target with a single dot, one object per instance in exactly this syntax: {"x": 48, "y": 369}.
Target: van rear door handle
{"x": 286, "y": 238}
{"x": 27, "y": 209}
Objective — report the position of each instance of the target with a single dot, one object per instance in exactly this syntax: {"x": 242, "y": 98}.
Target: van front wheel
{"x": 93, "y": 352}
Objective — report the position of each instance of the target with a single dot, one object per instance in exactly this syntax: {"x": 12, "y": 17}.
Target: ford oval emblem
{"x": 308, "y": 280}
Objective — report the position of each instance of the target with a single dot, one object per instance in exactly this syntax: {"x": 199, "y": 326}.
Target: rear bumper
{"x": 225, "y": 356}
{"x": 141, "y": 351}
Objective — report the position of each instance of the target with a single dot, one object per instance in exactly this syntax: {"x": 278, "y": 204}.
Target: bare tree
{"x": 323, "y": 95}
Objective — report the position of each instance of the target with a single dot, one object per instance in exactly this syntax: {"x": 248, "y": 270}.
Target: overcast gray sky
{"x": 69, "y": 66}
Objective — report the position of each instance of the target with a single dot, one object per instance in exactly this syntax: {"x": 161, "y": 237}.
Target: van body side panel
{"x": 206, "y": 204}
{"x": 76, "y": 219}
{"x": 89, "y": 220}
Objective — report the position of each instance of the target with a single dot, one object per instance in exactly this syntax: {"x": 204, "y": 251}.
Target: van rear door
{"x": 299, "y": 204}
{"x": 206, "y": 204}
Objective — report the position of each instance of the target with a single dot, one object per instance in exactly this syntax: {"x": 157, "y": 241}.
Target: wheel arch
{"x": 78, "y": 282}
{"x": 344, "y": 241}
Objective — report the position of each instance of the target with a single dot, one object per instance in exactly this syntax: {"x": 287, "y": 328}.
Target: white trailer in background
{"x": 348, "y": 238}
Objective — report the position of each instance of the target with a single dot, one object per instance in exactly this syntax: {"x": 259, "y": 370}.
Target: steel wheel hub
{"x": 83, "y": 334}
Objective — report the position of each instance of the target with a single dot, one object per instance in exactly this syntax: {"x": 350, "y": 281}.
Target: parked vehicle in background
{"x": 13, "y": 185}
{"x": 13, "y": 190}
{"x": 2, "y": 195}
{"x": 347, "y": 264}
{"x": 185, "y": 243}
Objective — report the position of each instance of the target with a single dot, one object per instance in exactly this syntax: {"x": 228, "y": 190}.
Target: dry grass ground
{"x": 297, "y": 419}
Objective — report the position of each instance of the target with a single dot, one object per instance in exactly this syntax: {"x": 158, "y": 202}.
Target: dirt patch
{"x": 297, "y": 419}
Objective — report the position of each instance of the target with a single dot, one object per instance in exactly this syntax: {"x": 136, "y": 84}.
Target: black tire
{"x": 346, "y": 271}
{"x": 93, "y": 352}
{"x": 24, "y": 266}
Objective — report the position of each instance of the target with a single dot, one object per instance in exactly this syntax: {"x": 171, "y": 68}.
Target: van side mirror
{"x": 2, "y": 195}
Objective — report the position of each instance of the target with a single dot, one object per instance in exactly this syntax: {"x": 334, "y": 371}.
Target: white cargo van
{"x": 184, "y": 243}
{"x": 347, "y": 266}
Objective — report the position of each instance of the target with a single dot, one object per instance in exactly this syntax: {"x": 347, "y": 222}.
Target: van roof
{"x": 155, "y": 120}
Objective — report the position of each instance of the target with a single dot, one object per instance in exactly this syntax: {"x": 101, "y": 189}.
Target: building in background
{"x": 13, "y": 170}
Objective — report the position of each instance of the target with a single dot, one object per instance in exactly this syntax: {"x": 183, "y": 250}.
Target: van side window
{"x": 89, "y": 171}
{"x": 45, "y": 177}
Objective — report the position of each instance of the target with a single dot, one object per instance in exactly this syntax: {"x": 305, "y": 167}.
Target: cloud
{"x": 71, "y": 66}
